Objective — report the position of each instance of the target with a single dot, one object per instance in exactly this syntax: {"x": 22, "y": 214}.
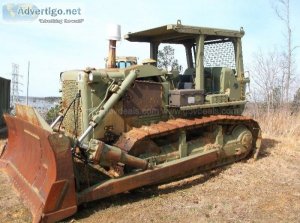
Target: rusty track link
{"x": 127, "y": 141}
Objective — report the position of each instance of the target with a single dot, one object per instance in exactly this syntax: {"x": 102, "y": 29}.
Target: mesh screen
{"x": 70, "y": 88}
{"x": 219, "y": 55}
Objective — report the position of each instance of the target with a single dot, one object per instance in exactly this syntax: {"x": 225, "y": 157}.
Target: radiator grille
{"x": 73, "y": 118}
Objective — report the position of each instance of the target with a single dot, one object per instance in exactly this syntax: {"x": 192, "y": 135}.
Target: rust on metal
{"x": 143, "y": 98}
{"x": 114, "y": 155}
{"x": 128, "y": 140}
{"x": 28, "y": 114}
{"x": 138, "y": 137}
{"x": 158, "y": 174}
{"x": 98, "y": 153}
{"x": 111, "y": 62}
{"x": 40, "y": 165}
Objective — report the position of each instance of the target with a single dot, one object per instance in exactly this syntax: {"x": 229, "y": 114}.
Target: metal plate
{"x": 40, "y": 166}
{"x": 143, "y": 98}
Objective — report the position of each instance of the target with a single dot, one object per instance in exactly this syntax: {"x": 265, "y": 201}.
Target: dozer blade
{"x": 39, "y": 162}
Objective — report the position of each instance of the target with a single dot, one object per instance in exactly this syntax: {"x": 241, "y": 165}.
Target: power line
{"x": 15, "y": 85}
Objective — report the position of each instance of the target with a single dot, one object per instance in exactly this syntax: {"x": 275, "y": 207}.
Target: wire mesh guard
{"x": 73, "y": 119}
{"x": 219, "y": 55}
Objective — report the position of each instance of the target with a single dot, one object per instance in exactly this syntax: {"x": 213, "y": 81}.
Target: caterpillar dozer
{"x": 120, "y": 129}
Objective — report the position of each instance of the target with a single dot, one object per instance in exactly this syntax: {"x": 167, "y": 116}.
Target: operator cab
{"x": 213, "y": 57}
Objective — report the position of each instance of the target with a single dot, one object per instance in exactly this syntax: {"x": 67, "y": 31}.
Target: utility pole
{"x": 27, "y": 82}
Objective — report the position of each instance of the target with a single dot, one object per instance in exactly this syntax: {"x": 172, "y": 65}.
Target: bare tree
{"x": 267, "y": 71}
{"x": 282, "y": 10}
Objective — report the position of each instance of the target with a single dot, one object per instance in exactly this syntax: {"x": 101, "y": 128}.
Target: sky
{"x": 52, "y": 48}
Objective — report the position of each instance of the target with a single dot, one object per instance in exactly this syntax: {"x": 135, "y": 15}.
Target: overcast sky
{"x": 52, "y": 48}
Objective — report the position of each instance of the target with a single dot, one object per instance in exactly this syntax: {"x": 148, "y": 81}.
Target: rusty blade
{"x": 40, "y": 166}
{"x": 30, "y": 115}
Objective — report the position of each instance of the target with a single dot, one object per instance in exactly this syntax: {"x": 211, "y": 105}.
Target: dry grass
{"x": 280, "y": 124}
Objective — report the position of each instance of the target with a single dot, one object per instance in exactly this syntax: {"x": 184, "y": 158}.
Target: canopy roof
{"x": 180, "y": 34}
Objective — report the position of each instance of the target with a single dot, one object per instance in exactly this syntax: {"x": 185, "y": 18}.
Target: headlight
{"x": 91, "y": 77}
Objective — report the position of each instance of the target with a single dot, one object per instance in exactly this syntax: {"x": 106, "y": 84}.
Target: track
{"x": 137, "y": 136}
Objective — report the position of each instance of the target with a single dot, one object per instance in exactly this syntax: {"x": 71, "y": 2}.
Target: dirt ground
{"x": 267, "y": 190}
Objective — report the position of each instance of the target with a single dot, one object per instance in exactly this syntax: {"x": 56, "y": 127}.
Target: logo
{"x": 43, "y": 13}
{"x": 19, "y": 12}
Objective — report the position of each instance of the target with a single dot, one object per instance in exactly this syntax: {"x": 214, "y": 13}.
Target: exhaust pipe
{"x": 114, "y": 35}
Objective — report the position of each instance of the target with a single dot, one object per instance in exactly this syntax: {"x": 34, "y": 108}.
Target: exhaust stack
{"x": 113, "y": 35}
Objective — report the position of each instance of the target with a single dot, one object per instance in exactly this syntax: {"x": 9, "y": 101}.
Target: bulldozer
{"x": 124, "y": 128}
